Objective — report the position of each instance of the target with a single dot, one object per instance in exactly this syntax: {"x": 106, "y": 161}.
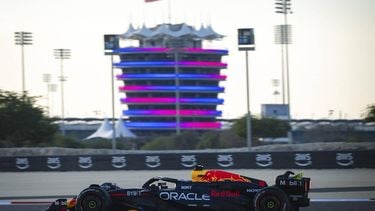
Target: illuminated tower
{"x": 171, "y": 83}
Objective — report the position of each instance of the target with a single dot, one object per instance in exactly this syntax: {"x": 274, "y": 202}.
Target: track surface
{"x": 344, "y": 190}
{"x": 321, "y": 206}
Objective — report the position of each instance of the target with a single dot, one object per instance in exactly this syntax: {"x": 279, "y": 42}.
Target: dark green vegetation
{"x": 370, "y": 113}
{"x": 24, "y": 124}
{"x": 265, "y": 127}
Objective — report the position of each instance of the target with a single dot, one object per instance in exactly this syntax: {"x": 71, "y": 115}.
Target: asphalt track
{"x": 337, "y": 189}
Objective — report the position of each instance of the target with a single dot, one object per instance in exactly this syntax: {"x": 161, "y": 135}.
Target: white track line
{"x": 7, "y": 202}
{"x": 342, "y": 200}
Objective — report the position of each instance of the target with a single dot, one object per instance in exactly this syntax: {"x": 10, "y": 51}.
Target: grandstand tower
{"x": 170, "y": 82}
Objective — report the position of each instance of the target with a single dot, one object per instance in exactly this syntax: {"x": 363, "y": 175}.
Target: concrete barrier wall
{"x": 177, "y": 161}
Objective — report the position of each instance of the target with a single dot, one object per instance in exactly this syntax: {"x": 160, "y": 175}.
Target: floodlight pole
{"x": 111, "y": 43}
{"x": 23, "y": 38}
{"x": 248, "y": 116}
{"x": 284, "y": 7}
{"x": 287, "y": 64}
{"x": 62, "y": 54}
{"x": 113, "y": 106}
{"x": 246, "y": 42}
{"x": 51, "y": 88}
{"x": 46, "y": 79}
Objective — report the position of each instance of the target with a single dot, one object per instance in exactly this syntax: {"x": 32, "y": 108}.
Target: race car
{"x": 207, "y": 190}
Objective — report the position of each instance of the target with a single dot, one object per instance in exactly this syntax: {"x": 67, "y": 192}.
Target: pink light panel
{"x": 172, "y": 125}
{"x": 172, "y": 112}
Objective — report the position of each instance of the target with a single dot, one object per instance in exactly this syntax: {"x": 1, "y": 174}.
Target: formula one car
{"x": 208, "y": 190}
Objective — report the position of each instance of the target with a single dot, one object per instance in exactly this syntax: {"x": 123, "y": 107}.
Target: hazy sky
{"x": 332, "y": 58}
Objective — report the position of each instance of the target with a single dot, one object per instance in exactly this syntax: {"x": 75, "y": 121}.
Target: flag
{"x": 147, "y": 1}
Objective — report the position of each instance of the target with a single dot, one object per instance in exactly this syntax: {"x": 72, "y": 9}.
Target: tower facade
{"x": 170, "y": 82}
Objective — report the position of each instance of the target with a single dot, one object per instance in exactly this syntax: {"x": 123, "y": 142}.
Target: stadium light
{"x": 46, "y": 77}
{"x": 283, "y": 6}
{"x": 51, "y": 88}
{"x": 283, "y": 36}
{"x": 23, "y": 38}
{"x": 62, "y": 54}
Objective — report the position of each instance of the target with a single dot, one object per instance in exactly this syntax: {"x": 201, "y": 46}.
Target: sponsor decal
{"x": 153, "y": 161}
{"x": 225, "y": 193}
{"x": 22, "y": 163}
{"x": 344, "y": 159}
{"x": 118, "y": 161}
{"x": 85, "y": 162}
{"x": 252, "y": 190}
{"x": 263, "y": 160}
{"x": 133, "y": 193}
{"x": 53, "y": 162}
{"x": 295, "y": 183}
{"x": 302, "y": 159}
{"x": 225, "y": 160}
{"x": 188, "y": 161}
{"x": 185, "y": 187}
{"x": 175, "y": 196}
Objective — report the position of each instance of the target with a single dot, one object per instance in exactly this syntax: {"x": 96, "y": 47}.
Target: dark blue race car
{"x": 208, "y": 190}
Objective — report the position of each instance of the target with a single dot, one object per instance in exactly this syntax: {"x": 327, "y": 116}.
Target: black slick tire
{"x": 271, "y": 199}
{"x": 93, "y": 198}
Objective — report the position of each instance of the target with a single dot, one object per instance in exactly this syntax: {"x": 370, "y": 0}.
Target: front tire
{"x": 93, "y": 198}
{"x": 271, "y": 199}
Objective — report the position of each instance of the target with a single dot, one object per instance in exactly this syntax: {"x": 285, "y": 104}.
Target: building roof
{"x": 171, "y": 31}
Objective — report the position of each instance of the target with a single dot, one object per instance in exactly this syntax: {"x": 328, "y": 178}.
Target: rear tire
{"x": 93, "y": 198}
{"x": 272, "y": 199}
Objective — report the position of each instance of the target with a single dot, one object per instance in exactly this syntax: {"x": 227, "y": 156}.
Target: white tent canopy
{"x": 106, "y": 131}
{"x": 122, "y": 131}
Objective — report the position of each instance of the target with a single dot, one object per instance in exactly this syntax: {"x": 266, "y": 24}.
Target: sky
{"x": 331, "y": 58}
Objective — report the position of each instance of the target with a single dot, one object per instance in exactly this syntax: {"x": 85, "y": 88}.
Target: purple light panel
{"x": 183, "y": 112}
{"x": 200, "y": 64}
{"x": 172, "y": 125}
{"x": 172, "y": 76}
{"x": 169, "y": 64}
{"x": 205, "y": 125}
{"x": 171, "y": 100}
{"x": 164, "y": 50}
{"x": 172, "y": 88}
{"x": 141, "y": 50}
{"x": 201, "y": 50}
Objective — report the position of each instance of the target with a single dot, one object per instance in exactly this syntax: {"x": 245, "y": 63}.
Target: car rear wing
{"x": 296, "y": 187}
{"x": 297, "y": 184}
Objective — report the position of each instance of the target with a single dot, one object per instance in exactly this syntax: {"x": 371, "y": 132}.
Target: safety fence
{"x": 177, "y": 161}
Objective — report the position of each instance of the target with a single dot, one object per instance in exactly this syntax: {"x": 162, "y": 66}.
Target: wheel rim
{"x": 91, "y": 203}
{"x": 270, "y": 203}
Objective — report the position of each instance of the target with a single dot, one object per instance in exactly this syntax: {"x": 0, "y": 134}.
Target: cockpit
{"x": 160, "y": 183}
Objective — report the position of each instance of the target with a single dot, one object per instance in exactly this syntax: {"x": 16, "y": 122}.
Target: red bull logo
{"x": 225, "y": 193}
{"x": 217, "y": 176}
